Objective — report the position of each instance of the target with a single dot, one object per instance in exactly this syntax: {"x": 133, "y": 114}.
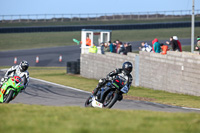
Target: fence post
{"x": 131, "y": 16}
{"x": 122, "y": 17}
{"x": 62, "y": 18}
{"x": 36, "y": 18}
{"x": 19, "y": 18}
{"x": 11, "y": 19}
{"x": 45, "y": 17}
{"x": 137, "y": 60}
{"x": 88, "y": 18}
{"x": 71, "y": 17}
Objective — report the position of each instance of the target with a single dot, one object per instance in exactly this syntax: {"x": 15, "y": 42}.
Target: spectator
{"x": 88, "y": 41}
{"x": 93, "y": 49}
{"x": 179, "y": 43}
{"x": 173, "y": 43}
{"x": 128, "y": 48}
{"x": 121, "y": 49}
{"x": 145, "y": 47}
{"x": 114, "y": 47}
{"x": 118, "y": 43}
{"x": 155, "y": 40}
{"x": 198, "y": 44}
{"x": 102, "y": 48}
{"x": 106, "y": 47}
{"x": 110, "y": 46}
{"x": 164, "y": 49}
{"x": 156, "y": 45}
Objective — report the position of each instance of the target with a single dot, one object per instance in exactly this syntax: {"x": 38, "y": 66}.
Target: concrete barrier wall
{"x": 175, "y": 72}
{"x": 98, "y": 66}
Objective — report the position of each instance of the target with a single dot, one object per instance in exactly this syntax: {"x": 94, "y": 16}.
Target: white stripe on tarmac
{"x": 191, "y": 108}
{"x": 63, "y": 86}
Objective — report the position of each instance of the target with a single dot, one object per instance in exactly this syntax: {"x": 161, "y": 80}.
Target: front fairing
{"x": 10, "y": 85}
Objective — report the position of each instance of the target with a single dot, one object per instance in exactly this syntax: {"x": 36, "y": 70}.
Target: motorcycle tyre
{"x": 9, "y": 98}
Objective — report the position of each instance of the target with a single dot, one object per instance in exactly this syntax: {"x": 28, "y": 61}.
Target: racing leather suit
{"x": 15, "y": 70}
{"x": 127, "y": 77}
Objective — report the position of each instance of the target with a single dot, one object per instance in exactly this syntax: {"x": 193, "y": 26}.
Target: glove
{"x": 109, "y": 78}
{"x": 4, "y": 79}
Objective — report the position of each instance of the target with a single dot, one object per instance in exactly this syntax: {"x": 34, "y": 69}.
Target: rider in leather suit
{"x": 123, "y": 72}
{"x": 19, "y": 70}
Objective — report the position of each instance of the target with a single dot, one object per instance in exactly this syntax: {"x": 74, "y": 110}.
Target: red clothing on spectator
{"x": 179, "y": 45}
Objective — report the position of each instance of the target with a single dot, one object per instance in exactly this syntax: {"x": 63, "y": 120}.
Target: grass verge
{"x": 58, "y": 75}
{"x": 66, "y": 23}
{"x": 42, "y": 119}
{"x": 16, "y": 41}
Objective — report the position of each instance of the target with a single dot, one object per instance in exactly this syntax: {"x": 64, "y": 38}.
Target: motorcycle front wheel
{"x": 88, "y": 102}
{"x": 8, "y": 97}
{"x": 110, "y": 99}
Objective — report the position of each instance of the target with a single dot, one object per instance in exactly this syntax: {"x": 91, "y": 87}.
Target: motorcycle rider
{"x": 124, "y": 73}
{"x": 19, "y": 70}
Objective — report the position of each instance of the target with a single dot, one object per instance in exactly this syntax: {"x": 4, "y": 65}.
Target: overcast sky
{"x": 14, "y": 7}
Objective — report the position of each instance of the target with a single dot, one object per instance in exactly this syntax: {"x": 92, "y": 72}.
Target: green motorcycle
{"x": 10, "y": 89}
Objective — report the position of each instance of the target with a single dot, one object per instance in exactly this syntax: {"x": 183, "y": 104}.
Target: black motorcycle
{"x": 108, "y": 95}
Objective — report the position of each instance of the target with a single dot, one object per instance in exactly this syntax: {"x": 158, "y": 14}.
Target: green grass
{"x": 58, "y": 75}
{"x": 36, "y": 40}
{"x": 15, "y": 41}
{"x": 22, "y": 24}
{"x": 19, "y": 118}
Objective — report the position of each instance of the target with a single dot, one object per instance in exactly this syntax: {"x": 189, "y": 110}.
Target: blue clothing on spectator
{"x": 156, "y": 46}
{"x": 102, "y": 49}
{"x": 111, "y": 47}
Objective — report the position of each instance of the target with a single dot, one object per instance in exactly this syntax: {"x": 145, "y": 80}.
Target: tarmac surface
{"x": 40, "y": 92}
{"x": 50, "y": 56}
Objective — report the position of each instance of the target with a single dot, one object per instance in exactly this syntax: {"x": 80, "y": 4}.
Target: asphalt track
{"x": 50, "y": 56}
{"x": 46, "y": 93}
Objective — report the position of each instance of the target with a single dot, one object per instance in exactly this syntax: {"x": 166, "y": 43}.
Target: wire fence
{"x": 97, "y": 16}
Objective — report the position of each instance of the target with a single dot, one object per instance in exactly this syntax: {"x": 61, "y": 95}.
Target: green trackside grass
{"x": 58, "y": 75}
{"x": 19, "y": 118}
{"x": 24, "y": 24}
{"x": 14, "y": 41}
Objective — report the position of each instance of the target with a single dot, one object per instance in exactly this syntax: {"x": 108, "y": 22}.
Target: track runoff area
{"x": 41, "y": 92}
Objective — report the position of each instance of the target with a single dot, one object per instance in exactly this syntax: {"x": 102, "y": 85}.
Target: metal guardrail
{"x": 97, "y": 16}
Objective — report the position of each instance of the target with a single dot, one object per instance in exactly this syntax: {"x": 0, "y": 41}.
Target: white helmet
{"x": 175, "y": 37}
{"x": 23, "y": 66}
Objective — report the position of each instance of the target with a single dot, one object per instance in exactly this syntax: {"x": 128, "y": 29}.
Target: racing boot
{"x": 94, "y": 92}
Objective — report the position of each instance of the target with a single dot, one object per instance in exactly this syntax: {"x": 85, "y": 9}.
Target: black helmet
{"x": 23, "y": 66}
{"x": 127, "y": 67}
